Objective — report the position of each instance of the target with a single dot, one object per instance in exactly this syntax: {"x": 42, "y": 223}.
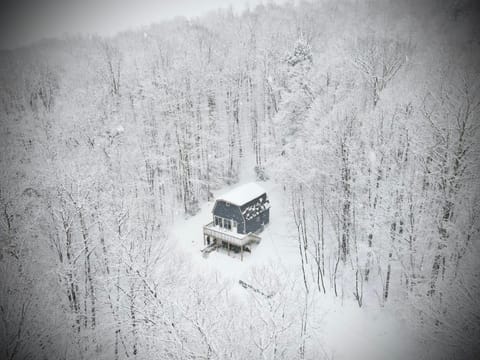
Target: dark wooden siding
{"x": 257, "y": 222}
{"x": 229, "y": 211}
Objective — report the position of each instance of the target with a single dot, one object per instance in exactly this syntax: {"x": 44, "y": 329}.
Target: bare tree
{"x": 379, "y": 60}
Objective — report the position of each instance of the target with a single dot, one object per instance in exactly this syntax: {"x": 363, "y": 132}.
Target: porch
{"x": 215, "y": 236}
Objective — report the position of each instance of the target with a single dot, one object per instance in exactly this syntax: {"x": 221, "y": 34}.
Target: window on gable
{"x": 227, "y": 224}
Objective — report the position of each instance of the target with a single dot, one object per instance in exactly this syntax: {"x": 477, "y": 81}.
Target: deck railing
{"x": 229, "y": 236}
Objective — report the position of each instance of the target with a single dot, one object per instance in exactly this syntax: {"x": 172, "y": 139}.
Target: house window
{"x": 227, "y": 224}
{"x": 224, "y": 223}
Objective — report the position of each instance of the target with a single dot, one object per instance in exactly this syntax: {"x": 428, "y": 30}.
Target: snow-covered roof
{"x": 255, "y": 209}
{"x": 243, "y": 194}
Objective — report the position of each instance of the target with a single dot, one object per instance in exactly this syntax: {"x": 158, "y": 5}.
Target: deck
{"x": 229, "y": 237}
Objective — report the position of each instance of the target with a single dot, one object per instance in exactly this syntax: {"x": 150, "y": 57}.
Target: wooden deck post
{"x": 241, "y": 252}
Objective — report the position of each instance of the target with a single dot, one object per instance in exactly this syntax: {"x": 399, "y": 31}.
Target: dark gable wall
{"x": 229, "y": 212}
{"x": 256, "y": 223}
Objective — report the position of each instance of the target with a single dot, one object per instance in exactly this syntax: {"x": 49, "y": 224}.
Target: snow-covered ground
{"x": 276, "y": 244}
{"x": 349, "y": 332}
{"x": 368, "y": 333}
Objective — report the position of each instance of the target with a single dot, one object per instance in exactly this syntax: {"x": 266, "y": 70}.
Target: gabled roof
{"x": 255, "y": 209}
{"x": 243, "y": 194}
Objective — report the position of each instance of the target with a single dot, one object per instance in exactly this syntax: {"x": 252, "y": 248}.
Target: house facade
{"x": 237, "y": 218}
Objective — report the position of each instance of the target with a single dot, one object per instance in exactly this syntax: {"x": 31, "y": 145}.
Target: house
{"x": 237, "y": 217}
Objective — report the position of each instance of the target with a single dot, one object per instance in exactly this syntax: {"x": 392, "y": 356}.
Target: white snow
{"x": 255, "y": 209}
{"x": 372, "y": 157}
{"x": 243, "y": 194}
{"x": 349, "y": 332}
{"x": 276, "y": 245}
{"x": 227, "y": 232}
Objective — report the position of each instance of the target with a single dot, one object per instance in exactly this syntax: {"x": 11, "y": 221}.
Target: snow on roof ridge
{"x": 243, "y": 194}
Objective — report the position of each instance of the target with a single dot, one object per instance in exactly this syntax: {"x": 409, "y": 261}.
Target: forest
{"x": 365, "y": 113}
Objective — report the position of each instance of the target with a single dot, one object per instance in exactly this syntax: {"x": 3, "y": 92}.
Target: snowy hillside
{"x": 371, "y": 333}
{"x": 359, "y": 119}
